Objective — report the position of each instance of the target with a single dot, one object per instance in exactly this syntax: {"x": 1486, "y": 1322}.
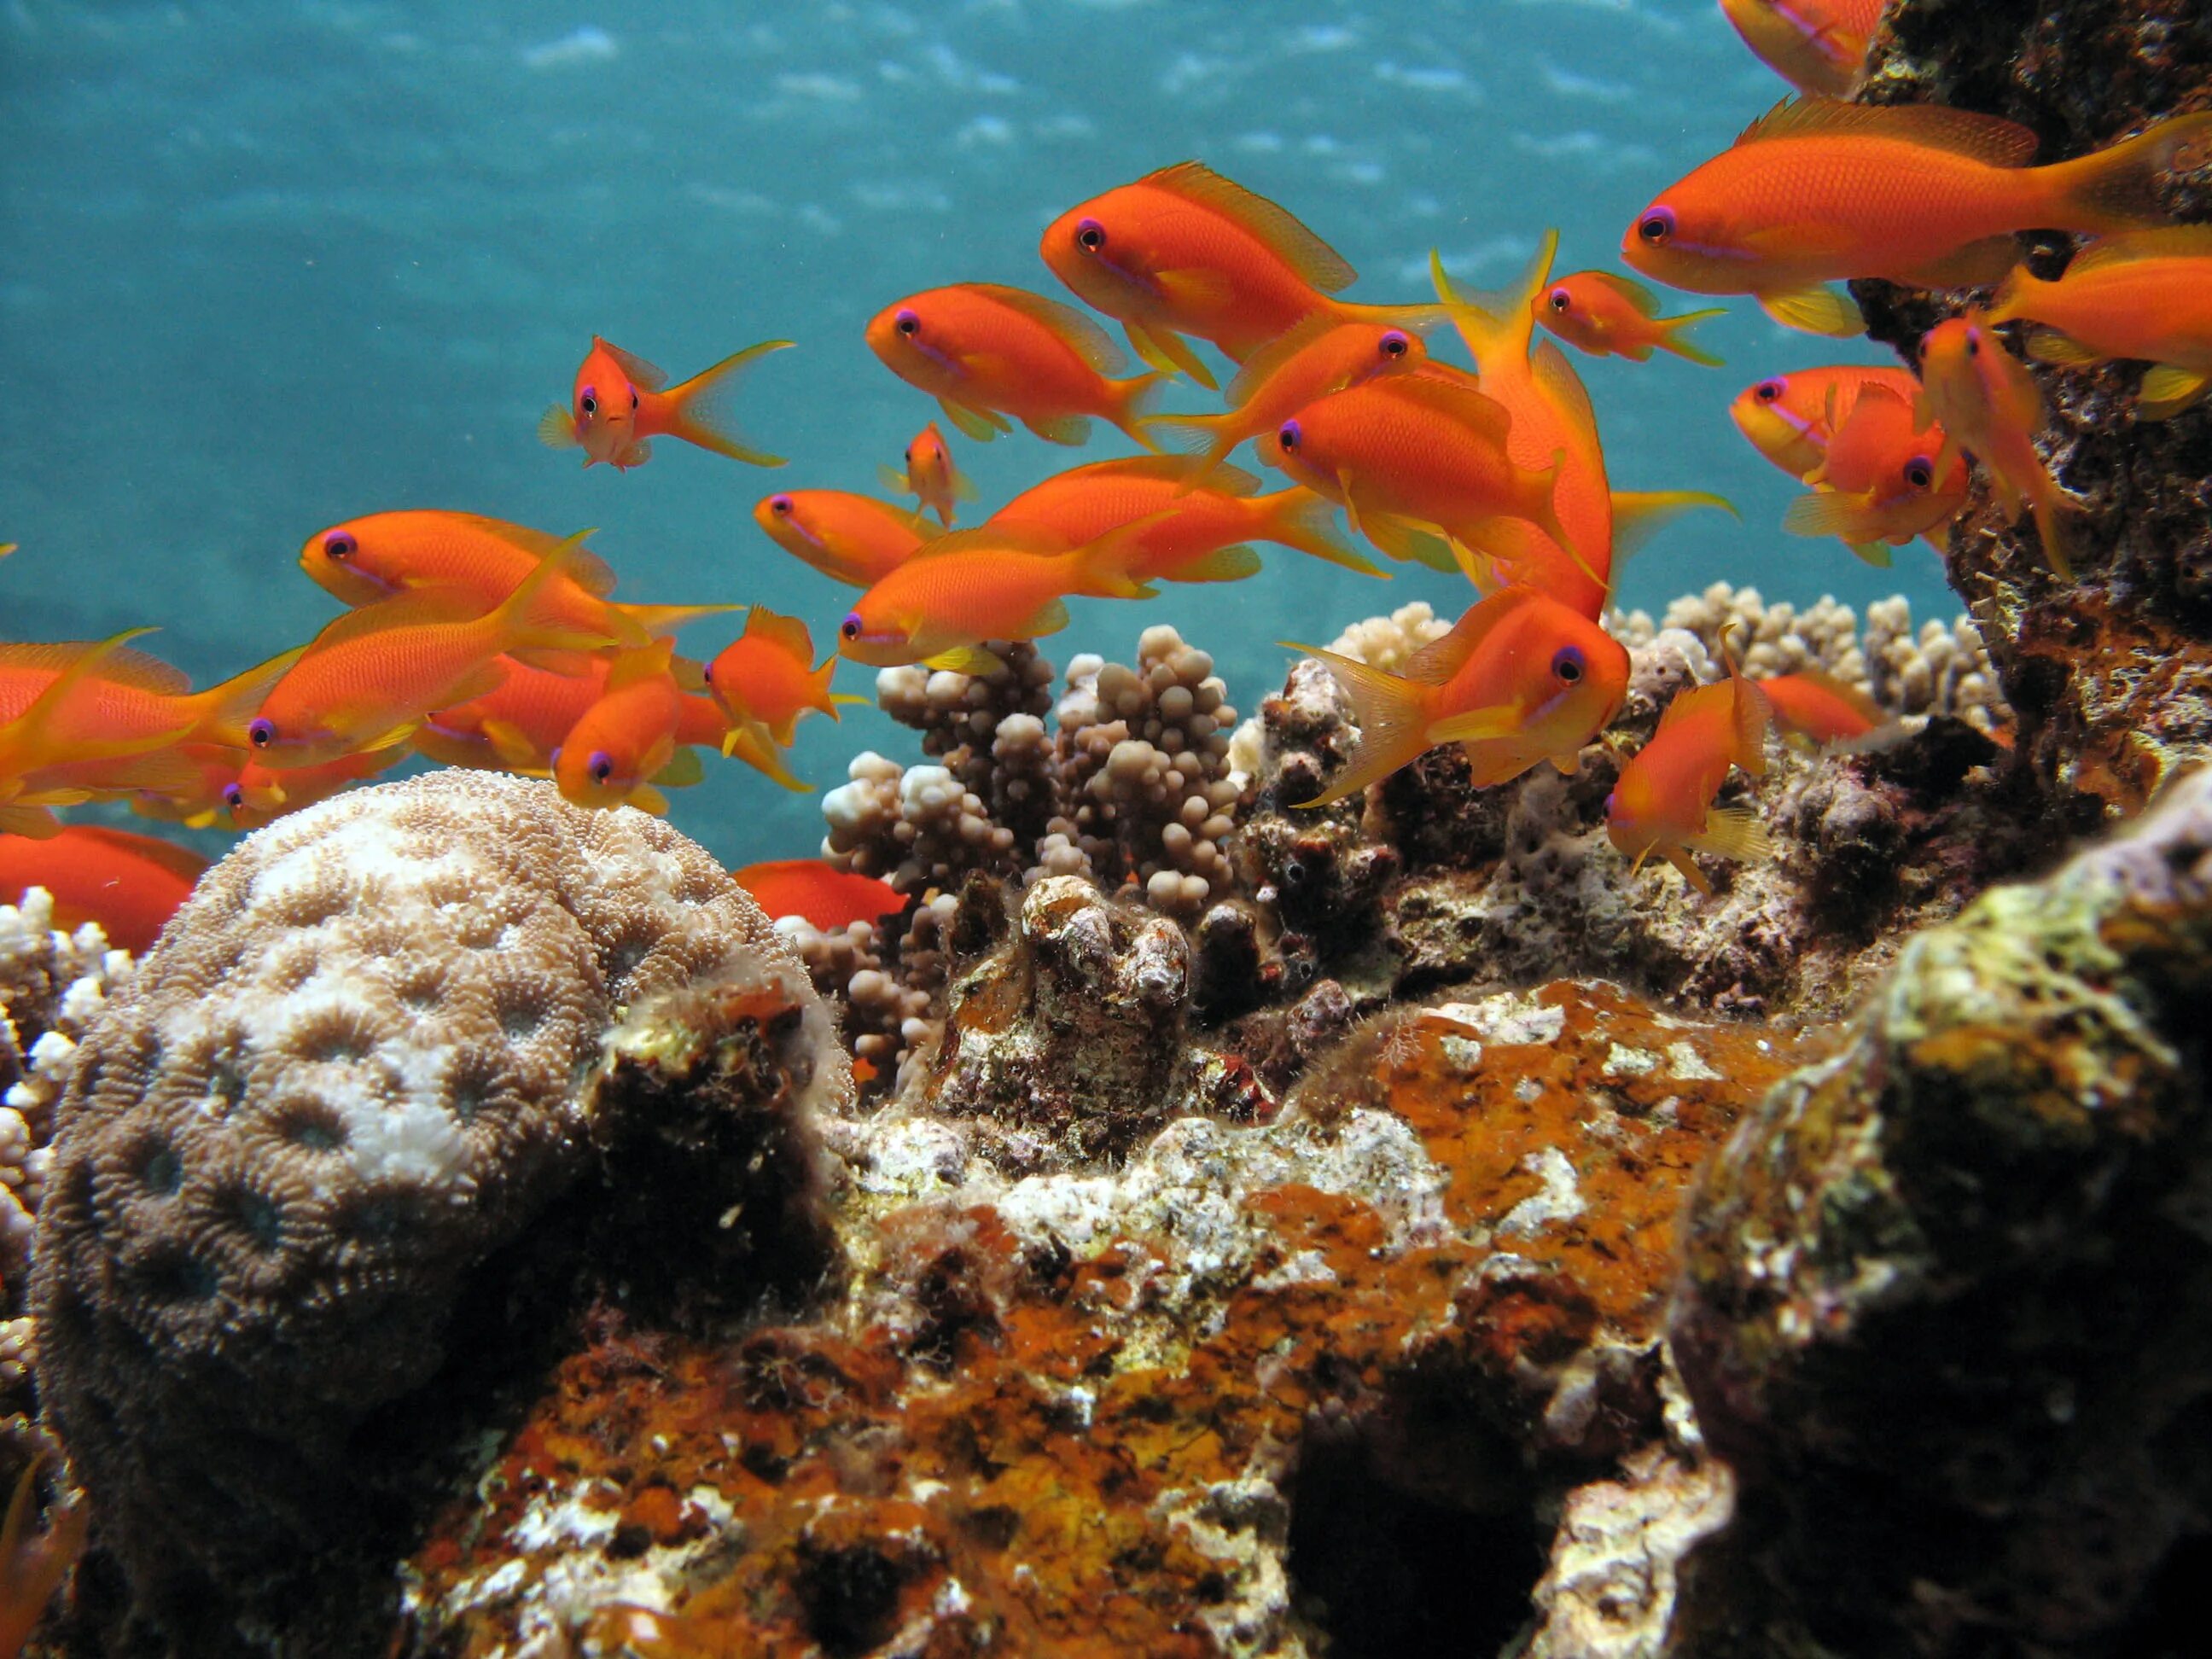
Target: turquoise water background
{"x": 264, "y": 267}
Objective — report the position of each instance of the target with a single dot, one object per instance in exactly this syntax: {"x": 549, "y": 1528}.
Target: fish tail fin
{"x": 1497, "y": 325}
{"x": 1671, "y": 337}
{"x": 2015, "y": 295}
{"x": 2054, "y": 516}
{"x": 1102, "y": 567}
{"x": 699, "y": 409}
{"x": 529, "y": 619}
{"x": 1640, "y": 514}
{"x": 1391, "y": 713}
{"x": 1309, "y": 526}
{"x": 1133, "y": 402}
{"x": 2167, "y": 389}
{"x": 2116, "y": 188}
{"x": 225, "y": 711}
{"x": 750, "y": 742}
{"x": 817, "y": 685}
{"x": 654, "y": 620}
{"x": 1209, "y": 437}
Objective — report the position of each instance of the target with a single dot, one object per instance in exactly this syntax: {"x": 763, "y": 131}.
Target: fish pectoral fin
{"x": 1876, "y": 554}
{"x": 1815, "y": 310}
{"x": 2052, "y": 345}
{"x": 683, "y": 770}
{"x": 557, "y": 428}
{"x": 1566, "y": 765}
{"x": 636, "y": 454}
{"x": 1073, "y": 430}
{"x": 1195, "y": 285}
{"x": 849, "y": 700}
{"x": 1732, "y": 832}
{"x": 1170, "y": 353}
{"x": 2168, "y": 390}
{"x": 395, "y": 737}
{"x": 508, "y": 742}
{"x": 972, "y": 659}
{"x": 1682, "y": 862}
{"x": 972, "y": 422}
{"x": 1223, "y": 564}
{"x": 647, "y": 798}
{"x": 1826, "y": 513}
{"x": 1477, "y": 725}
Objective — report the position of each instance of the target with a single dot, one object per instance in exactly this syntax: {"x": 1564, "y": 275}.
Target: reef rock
{"x": 400, "y": 1062}
{"x": 1948, "y": 1296}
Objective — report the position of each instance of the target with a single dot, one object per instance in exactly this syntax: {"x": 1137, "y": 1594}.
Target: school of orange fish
{"x": 481, "y": 643}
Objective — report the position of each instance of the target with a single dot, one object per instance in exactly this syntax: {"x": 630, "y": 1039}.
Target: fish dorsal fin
{"x": 1987, "y": 139}
{"x": 1316, "y": 264}
{"x": 786, "y": 633}
{"x": 1641, "y": 298}
{"x": 641, "y": 372}
{"x": 645, "y": 662}
{"x": 1172, "y": 469}
{"x": 994, "y": 538}
{"x": 2173, "y": 242}
{"x": 180, "y": 861}
{"x": 1261, "y": 367}
{"x": 1081, "y": 335}
{"x": 1440, "y": 659}
{"x": 417, "y": 608}
{"x": 1456, "y": 400}
{"x": 589, "y": 569}
{"x": 119, "y": 666}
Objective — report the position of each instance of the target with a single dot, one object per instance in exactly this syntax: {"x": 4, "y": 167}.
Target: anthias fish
{"x": 1786, "y": 417}
{"x": 1815, "y": 710}
{"x": 130, "y": 884}
{"x": 1879, "y": 484}
{"x": 927, "y": 473}
{"x": 828, "y": 900}
{"x": 2146, "y": 297}
{"x": 851, "y": 539}
{"x": 1610, "y": 316}
{"x": 1990, "y": 406}
{"x": 768, "y": 674}
{"x": 626, "y": 747}
{"x": 620, "y": 403}
{"x": 1816, "y": 45}
{"x": 1662, "y": 802}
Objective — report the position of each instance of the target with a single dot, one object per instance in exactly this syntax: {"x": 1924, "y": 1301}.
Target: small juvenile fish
{"x": 371, "y": 677}
{"x": 1610, "y": 316}
{"x": 850, "y": 538}
{"x": 626, "y": 745}
{"x": 1814, "y": 710}
{"x": 1519, "y": 679}
{"x": 1185, "y": 252}
{"x": 994, "y": 582}
{"x": 1662, "y": 801}
{"x": 1785, "y": 416}
{"x": 2146, "y": 297}
{"x": 1817, "y": 191}
{"x": 1816, "y": 45}
{"x": 768, "y": 674}
{"x": 255, "y": 794}
{"x": 828, "y": 900}
{"x": 930, "y": 477}
{"x": 620, "y": 403}
{"x": 1321, "y": 355}
{"x": 1413, "y": 451}
{"x": 1879, "y": 485}
{"x": 985, "y": 351}
{"x": 1180, "y": 533}
{"x": 130, "y": 884}
{"x": 367, "y": 560}
{"x": 1990, "y": 406}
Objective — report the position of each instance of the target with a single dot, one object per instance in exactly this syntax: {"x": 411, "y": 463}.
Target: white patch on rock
{"x": 1508, "y": 1017}
{"x": 1688, "y": 1064}
{"x": 1559, "y": 1198}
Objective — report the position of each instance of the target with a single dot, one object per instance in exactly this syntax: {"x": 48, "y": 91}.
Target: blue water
{"x": 264, "y": 267}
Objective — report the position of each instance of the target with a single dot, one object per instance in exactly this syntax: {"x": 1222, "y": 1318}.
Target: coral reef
{"x": 397, "y": 1057}
{"x": 1948, "y": 1302}
{"x": 2112, "y": 675}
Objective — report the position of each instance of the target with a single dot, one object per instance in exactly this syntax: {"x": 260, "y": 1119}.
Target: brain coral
{"x": 383, "y": 1036}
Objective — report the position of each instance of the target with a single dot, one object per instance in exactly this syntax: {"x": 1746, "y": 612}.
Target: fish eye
{"x": 589, "y": 402}
{"x": 1767, "y": 392}
{"x": 340, "y": 545}
{"x": 261, "y": 734}
{"x": 1290, "y": 436}
{"x": 781, "y": 506}
{"x": 907, "y": 323}
{"x": 907, "y": 455}
{"x": 633, "y": 397}
{"x": 1395, "y": 345}
{"x": 1657, "y": 226}
{"x": 1919, "y": 472}
{"x": 1567, "y": 665}
{"x": 1090, "y": 236}
{"x": 233, "y": 797}
{"x": 1973, "y": 344}
{"x": 1561, "y": 299}
{"x": 850, "y": 627}
{"x": 601, "y": 766}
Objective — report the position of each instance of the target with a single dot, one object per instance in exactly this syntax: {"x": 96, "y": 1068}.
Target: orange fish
{"x": 1880, "y": 485}
{"x": 1785, "y": 416}
{"x": 2146, "y": 297}
{"x": 994, "y": 582}
{"x": 1990, "y": 406}
{"x": 1520, "y": 679}
{"x": 768, "y": 674}
{"x": 620, "y": 403}
{"x": 371, "y": 677}
{"x": 1815, "y": 710}
{"x": 985, "y": 351}
{"x": 1818, "y": 190}
{"x": 1189, "y": 535}
{"x": 1552, "y": 418}
{"x": 627, "y": 746}
{"x": 1306, "y": 363}
{"x": 1185, "y": 252}
{"x": 930, "y": 477}
{"x": 1816, "y": 45}
{"x": 830, "y": 900}
{"x": 1610, "y": 316}
{"x": 1409, "y": 453}
{"x": 1662, "y": 802}
{"x": 255, "y": 794}
{"x": 130, "y": 884}
{"x": 366, "y": 560}
{"x": 854, "y": 539}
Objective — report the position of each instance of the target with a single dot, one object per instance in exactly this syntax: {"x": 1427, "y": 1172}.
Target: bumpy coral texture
{"x": 352, "y": 1070}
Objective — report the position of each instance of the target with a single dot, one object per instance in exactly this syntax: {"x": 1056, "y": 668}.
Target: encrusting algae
{"x": 1563, "y": 1133}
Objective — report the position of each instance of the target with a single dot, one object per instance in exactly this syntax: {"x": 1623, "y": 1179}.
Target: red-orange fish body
{"x": 1817, "y": 46}
{"x": 1786, "y": 417}
{"x": 1990, "y": 406}
{"x": 830, "y": 900}
{"x": 768, "y": 674}
{"x": 1662, "y": 802}
{"x": 1610, "y": 316}
{"x": 620, "y": 403}
{"x": 850, "y": 538}
{"x": 986, "y": 352}
{"x": 130, "y": 884}
{"x": 2145, "y": 296}
{"x": 1815, "y": 710}
{"x": 628, "y": 741}
{"x": 1886, "y": 478}
{"x": 930, "y": 476}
